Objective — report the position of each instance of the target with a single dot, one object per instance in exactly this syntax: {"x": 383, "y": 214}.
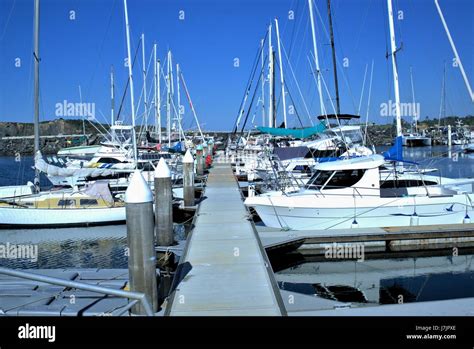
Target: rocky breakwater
{"x": 17, "y": 138}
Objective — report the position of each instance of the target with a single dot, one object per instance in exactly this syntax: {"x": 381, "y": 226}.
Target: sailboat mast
{"x": 333, "y": 48}
{"x": 455, "y": 51}
{"x": 262, "y": 77}
{"x": 145, "y": 99}
{"x": 130, "y": 78}
{"x": 394, "y": 66}
{"x": 156, "y": 65}
{"x": 273, "y": 91}
{"x": 179, "y": 100}
{"x": 112, "y": 96}
{"x": 160, "y": 137}
{"x": 442, "y": 106}
{"x": 444, "y": 90}
{"x": 168, "y": 101}
{"x": 282, "y": 80}
{"x": 415, "y": 116}
{"x": 191, "y": 105}
{"x": 36, "y": 87}
{"x": 316, "y": 59}
{"x": 270, "y": 78}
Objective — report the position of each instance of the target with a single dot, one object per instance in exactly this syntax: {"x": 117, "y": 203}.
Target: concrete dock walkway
{"x": 230, "y": 274}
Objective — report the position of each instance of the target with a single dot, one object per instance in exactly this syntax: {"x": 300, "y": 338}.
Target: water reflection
{"x": 93, "y": 247}
{"x": 384, "y": 280}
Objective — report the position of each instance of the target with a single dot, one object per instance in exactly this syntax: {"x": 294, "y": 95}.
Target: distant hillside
{"x": 47, "y": 128}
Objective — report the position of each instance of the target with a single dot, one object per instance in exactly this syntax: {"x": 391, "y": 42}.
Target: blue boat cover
{"x": 293, "y": 132}
{"x": 395, "y": 153}
{"x": 285, "y": 153}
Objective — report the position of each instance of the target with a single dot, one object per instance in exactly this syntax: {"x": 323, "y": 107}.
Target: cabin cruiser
{"x": 359, "y": 192}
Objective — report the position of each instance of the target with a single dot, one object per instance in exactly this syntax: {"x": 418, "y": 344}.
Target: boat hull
{"x": 18, "y": 217}
{"x": 381, "y": 214}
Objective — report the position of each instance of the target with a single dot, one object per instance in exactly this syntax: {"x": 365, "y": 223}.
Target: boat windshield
{"x": 121, "y": 136}
{"x": 351, "y": 136}
{"x": 334, "y": 179}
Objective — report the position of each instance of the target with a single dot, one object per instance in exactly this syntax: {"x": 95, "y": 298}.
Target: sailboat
{"x": 93, "y": 205}
{"x": 415, "y": 139}
{"x": 361, "y": 192}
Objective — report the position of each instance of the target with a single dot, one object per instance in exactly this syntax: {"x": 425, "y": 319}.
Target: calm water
{"x": 416, "y": 278}
{"x": 93, "y": 247}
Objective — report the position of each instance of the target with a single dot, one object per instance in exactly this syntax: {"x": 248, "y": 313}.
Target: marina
{"x": 319, "y": 197}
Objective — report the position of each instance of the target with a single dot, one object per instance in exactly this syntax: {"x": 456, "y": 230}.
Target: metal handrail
{"x": 81, "y": 286}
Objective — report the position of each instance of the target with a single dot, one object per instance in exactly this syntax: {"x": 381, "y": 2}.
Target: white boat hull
{"x": 384, "y": 212}
{"x": 62, "y": 217}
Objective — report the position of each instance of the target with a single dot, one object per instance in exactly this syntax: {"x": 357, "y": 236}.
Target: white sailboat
{"x": 415, "y": 139}
{"x": 91, "y": 205}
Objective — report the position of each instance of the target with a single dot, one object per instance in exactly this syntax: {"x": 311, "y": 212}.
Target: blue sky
{"x": 80, "y": 52}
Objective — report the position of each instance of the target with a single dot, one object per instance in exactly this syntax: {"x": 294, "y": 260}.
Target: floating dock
{"x": 225, "y": 270}
{"x": 23, "y": 297}
{"x": 420, "y": 235}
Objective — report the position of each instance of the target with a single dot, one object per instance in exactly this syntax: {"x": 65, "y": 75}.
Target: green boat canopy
{"x": 293, "y": 132}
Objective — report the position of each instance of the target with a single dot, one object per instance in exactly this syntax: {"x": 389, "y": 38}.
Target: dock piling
{"x": 449, "y": 136}
{"x": 188, "y": 179}
{"x": 140, "y": 238}
{"x": 199, "y": 161}
{"x": 204, "y": 155}
{"x": 163, "y": 205}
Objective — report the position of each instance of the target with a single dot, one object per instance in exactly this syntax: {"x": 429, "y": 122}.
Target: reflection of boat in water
{"x": 376, "y": 280}
{"x": 469, "y": 148}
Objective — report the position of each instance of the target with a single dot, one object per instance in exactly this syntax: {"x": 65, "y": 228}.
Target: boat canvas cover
{"x": 286, "y": 153}
{"x": 54, "y": 170}
{"x": 395, "y": 153}
{"x": 293, "y": 132}
{"x": 99, "y": 190}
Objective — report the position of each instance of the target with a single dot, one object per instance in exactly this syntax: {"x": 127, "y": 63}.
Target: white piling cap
{"x": 138, "y": 190}
{"x": 188, "y": 158}
{"x": 162, "y": 170}
{"x": 199, "y": 147}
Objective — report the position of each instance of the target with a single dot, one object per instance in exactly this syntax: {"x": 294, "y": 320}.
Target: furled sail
{"x": 53, "y": 170}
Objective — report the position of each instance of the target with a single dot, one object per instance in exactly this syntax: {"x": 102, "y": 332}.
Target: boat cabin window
{"x": 66, "y": 203}
{"x": 89, "y": 202}
{"x": 335, "y": 179}
{"x": 108, "y": 161}
{"x": 404, "y": 183}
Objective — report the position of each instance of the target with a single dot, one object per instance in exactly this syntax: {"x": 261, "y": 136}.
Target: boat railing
{"x": 136, "y": 296}
{"x": 284, "y": 179}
